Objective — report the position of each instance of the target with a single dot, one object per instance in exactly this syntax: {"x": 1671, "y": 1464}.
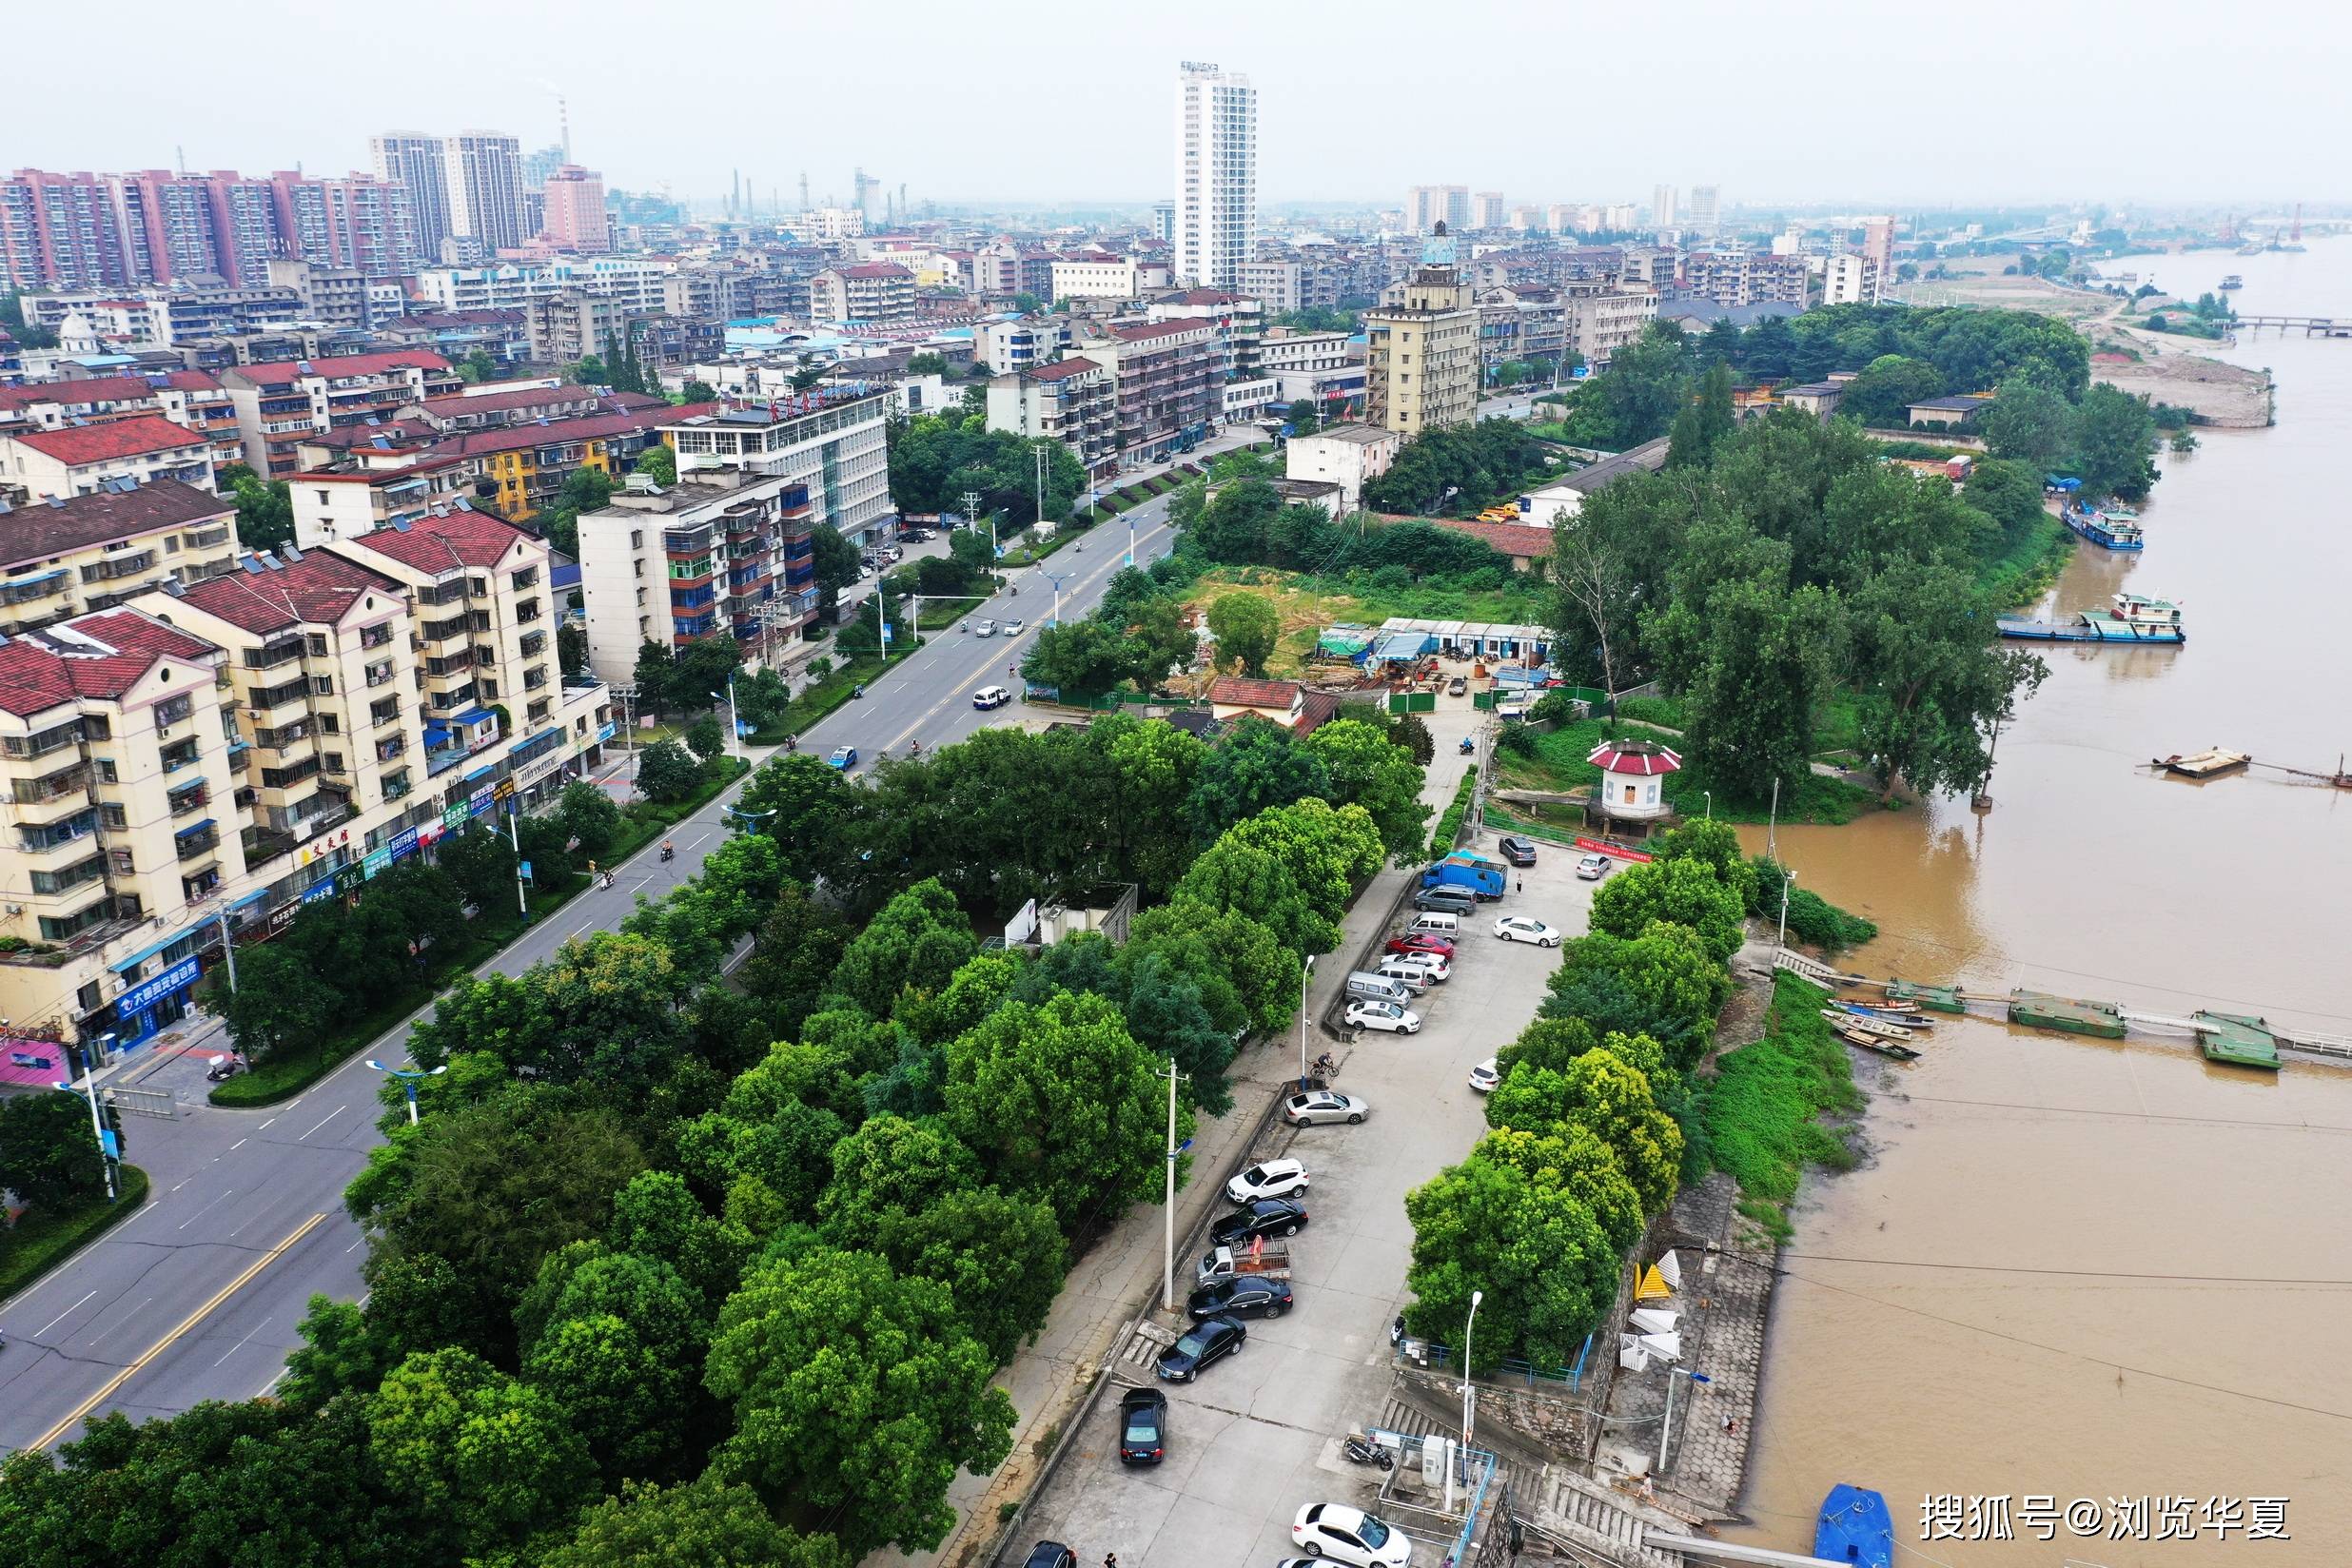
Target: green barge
{"x": 2238, "y": 1038}
{"x": 2065, "y": 1015}
{"x": 1932, "y": 998}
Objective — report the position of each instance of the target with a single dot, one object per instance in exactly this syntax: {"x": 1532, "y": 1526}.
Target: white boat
{"x": 2142, "y": 610}
{"x": 1868, "y": 1026}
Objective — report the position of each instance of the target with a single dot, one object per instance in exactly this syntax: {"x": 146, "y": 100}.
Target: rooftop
{"x": 95, "y": 389}
{"x": 1646, "y": 459}
{"x": 1965, "y": 402}
{"x": 1520, "y": 541}
{"x": 59, "y": 527}
{"x": 340, "y": 367}
{"x": 1062, "y": 369}
{"x": 1362, "y": 435}
{"x": 131, "y": 438}
{"x": 1161, "y": 329}
{"x": 101, "y": 656}
{"x": 1239, "y": 692}
{"x": 461, "y": 536}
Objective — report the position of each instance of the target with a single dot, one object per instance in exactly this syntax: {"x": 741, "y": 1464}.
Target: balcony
{"x": 190, "y": 797}
{"x": 201, "y": 839}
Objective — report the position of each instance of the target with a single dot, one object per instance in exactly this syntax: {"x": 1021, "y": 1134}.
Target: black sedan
{"x": 1202, "y": 1343}
{"x": 1519, "y": 852}
{"x": 1243, "y": 1296}
{"x": 1266, "y": 1217}
{"x": 1142, "y": 1426}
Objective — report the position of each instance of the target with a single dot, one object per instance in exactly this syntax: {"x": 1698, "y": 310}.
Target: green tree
{"x": 2029, "y": 424}
{"x": 479, "y": 366}
{"x": 1765, "y": 659}
{"x": 1245, "y": 628}
{"x": 916, "y": 942}
{"x": 889, "y": 1166}
{"x": 1001, "y": 1259}
{"x": 572, "y": 648}
{"x": 2115, "y": 435}
{"x": 1882, "y": 394}
{"x": 838, "y": 568}
{"x": 588, "y": 370}
{"x": 927, "y": 365}
{"x": 2008, "y": 492}
{"x": 1257, "y": 765}
{"x": 1544, "y": 1268}
{"x": 616, "y": 1341}
{"x": 1932, "y": 683}
{"x": 1027, "y": 304}
{"x": 1636, "y": 400}
{"x": 665, "y": 772}
{"x": 265, "y": 510}
{"x": 1685, "y": 892}
{"x": 1058, "y": 1101}
{"x": 704, "y": 667}
{"x": 280, "y": 1007}
{"x": 1302, "y": 416}
{"x": 48, "y": 1154}
{"x": 808, "y": 807}
{"x": 472, "y": 1446}
{"x": 706, "y": 737}
{"x": 1558, "y": 1152}
{"x": 1611, "y": 1099}
{"x": 701, "y": 1523}
{"x": 856, "y": 1394}
{"x": 1368, "y": 771}
{"x": 658, "y": 462}
{"x": 1233, "y": 526}
{"x": 480, "y": 862}
{"x": 1704, "y": 422}
{"x": 588, "y": 814}
{"x": 1076, "y": 658}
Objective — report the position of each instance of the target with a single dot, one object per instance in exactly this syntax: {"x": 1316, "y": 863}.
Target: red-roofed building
{"x": 1632, "y": 774}
{"x": 1281, "y": 702}
{"x": 869, "y": 293}
{"x": 278, "y": 404}
{"x": 78, "y": 459}
{"x": 1170, "y": 384}
{"x": 1525, "y": 543}
{"x": 191, "y": 399}
{"x": 68, "y": 556}
{"x": 1073, "y": 400}
{"x": 491, "y": 410}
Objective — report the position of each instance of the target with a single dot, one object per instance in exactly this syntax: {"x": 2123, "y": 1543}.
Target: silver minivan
{"x": 1435, "y": 923}
{"x": 1362, "y": 986}
{"x": 1412, "y": 976}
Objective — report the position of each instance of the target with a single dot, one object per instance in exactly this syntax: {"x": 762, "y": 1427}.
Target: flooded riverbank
{"x": 2079, "y": 1269}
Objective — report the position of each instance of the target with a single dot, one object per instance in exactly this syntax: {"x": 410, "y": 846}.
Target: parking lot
{"x": 1256, "y": 1437}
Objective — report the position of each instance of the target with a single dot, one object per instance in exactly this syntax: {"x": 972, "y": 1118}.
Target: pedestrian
{"x": 1110, "y": 1560}
{"x": 1522, "y": 884}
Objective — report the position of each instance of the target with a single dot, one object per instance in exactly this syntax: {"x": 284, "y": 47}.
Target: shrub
{"x": 1449, "y": 826}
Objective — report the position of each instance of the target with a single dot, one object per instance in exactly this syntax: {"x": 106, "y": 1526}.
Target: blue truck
{"x": 1473, "y": 874}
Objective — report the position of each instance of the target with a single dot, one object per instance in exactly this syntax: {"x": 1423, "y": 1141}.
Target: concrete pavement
{"x": 169, "y": 1308}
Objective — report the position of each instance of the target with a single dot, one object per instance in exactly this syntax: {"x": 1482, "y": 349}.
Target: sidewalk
{"x": 1108, "y": 1287}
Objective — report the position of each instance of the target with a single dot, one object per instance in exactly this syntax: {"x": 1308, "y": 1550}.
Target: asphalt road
{"x": 196, "y": 1296}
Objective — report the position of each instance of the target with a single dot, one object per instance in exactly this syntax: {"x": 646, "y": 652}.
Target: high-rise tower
{"x": 1216, "y": 175}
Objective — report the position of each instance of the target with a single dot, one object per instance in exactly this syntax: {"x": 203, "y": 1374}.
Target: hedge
{"x": 39, "y": 1242}
{"x": 1449, "y": 826}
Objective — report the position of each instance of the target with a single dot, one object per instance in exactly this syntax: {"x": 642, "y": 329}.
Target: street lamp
{"x": 1710, "y": 795}
{"x": 1788, "y": 881}
{"x": 1476, "y": 1297}
{"x": 408, "y": 1077}
{"x": 1666, "y": 1425}
{"x": 107, "y": 1150}
{"x": 1305, "y": 973}
{"x": 1168, "y": 1260}
{"x": 735, "y": 725}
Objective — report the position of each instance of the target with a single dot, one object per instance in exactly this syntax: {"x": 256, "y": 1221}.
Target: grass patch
{"x": 1665, "y": 712}
{"x": 491, "y": 933}
{"x": 1449, "y": 826}
{"x": 1760, "y": 1114}
{"x": 39, "y": 1242}
{"x": 1306, "y": 606}
{"x": 2025, "y": 572}
{"x": 1558, "y": 763}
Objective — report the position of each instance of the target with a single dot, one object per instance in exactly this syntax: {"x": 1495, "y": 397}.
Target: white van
{"x": 1436, "y": 923}
{"x": 1412, "y": 976}
{"x": 1376, "y": 988}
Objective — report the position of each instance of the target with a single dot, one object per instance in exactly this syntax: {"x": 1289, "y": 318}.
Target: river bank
{"x": 2047, "y": 1277}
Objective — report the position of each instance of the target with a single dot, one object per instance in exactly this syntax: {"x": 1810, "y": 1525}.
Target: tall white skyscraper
{"x": 413, "y": 160}
{"x": 1662, "y": 207}
{"x": 1706, "y": 215}
{"x": 484, "y": 170}
{"x": 1216, "y": 175}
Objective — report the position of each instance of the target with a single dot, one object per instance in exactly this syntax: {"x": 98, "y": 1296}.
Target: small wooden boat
{"x": 1854, "y": 1034}
{"x": 2210, "y": 763}
{"x": 1890, "y": 1015}
{"x": 1875, "y": 1025}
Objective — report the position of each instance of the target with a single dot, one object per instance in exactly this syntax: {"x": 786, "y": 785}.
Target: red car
{"x": 1420, "y": 942}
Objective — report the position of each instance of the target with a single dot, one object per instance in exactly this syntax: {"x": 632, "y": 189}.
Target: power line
{"x": 2125, "y": 1115}
{"x": 2068, "y": 1273}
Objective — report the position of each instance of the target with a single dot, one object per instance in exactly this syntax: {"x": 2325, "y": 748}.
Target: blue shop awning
{"x": 485, "y": 770}
{"x": 473, "y": 716}
{"x": 193, "y": 828}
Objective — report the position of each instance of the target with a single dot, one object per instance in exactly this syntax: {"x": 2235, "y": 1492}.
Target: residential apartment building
{"x": 1322, "y": 367}
{"x": 72, "y": 556}
{"x": 1022, "y": 344}
{"x": 1073, "y": 400}
{"x": 1216, "y": 175}
{"x": 1426, "y": 206}
{"x": 563, "y": 327}
{"x": 189, "y": 399}
{"x": 1281, "y": 286}
{"x": 1097, "y": 278}
{"x": 1421, "y": 356}
{"x": 414, "y": 162}
{"x": 281, "y": 402}
{"x": 1170, "y": 377}
{"x": 1740, "y": 276}
{"x": 868, "y": 293}
{"x": 484, "y": 172}
{"x": 1348, "y": 455}
{"x": 1851, "y": 279}
{"x": 1662, "y": 207}
{"x": 59, "y": 232}
{"x": 1486, "y": 211}
{"x": 347, "y": 502}
{"x": 831, "y": 441}
{"x": 367, "y": 225}
{"x": 1878, "y": 244}
{"x": 1603, "y": 322}
{"x": 1524, "y": 322}
{"x": 331, "y": 296}
{"x": 575, "y": 212}
{"x": 81, "y": 459}
{"x": 723, "y": 549}
{"x": 637, "y": 282}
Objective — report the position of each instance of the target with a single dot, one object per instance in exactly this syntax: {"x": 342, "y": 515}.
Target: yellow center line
{"x": 173, "y": 1338}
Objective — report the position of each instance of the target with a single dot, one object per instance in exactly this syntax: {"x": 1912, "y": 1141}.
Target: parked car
{"x": 1052, "y": 1553}
{"x": 1349, "y": 1534}
{"x": 1485, "y": 1076}
{"x": 1241, "y": 1296}
{"x": 1594, "y": 867}
{"x": 1317, "y": 1106}
{"x": 1269, "y": 1178}
{"x": 1142, "y": 1426}
{"x": 1389, "y": 1017}
{"x": 1264, "y": 1217}
{"x": 1457, "y": 686}
{"x": 1445, "y": 901}
{"x": 1520, "y": 928}
{"x": 1519, "y": 852}
{"x": 991, "y": 697}
{"x": 1013, "y": 628}
{"x": 1420, "y": 942}
{"x": 844, "y": 757}
{"x": 1435, "y": 965}
{"x": 1201, "y": 1345}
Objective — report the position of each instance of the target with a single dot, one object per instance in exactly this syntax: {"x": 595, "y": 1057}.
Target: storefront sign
{"x": 403, "y": 844}
{"x": 318, "y": 892}
{"x": 454, "y": 814}
{"x": 153, "y": 989}
{"x": 606, "y": 731}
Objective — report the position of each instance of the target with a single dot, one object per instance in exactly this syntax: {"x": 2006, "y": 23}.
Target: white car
{"x": 1391, "y": 1016}
{"x": 1485, "y": 1076}
{"x": 984, "y": 628}
{"x": 1435, "y": 965}
{"x": 1349, "y": 1534}
{"x": 1317, "y": 1106}
{"x": 1013, "y": 628}
{"x": 1272, "y": 1179}
{"x": 1594, "y": 867}
{"x": 991, "y": 697}
{"x": 1519, "y": 928}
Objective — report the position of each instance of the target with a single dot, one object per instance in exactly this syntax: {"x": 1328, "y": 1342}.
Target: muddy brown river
{"x": 2108, "y": 1270}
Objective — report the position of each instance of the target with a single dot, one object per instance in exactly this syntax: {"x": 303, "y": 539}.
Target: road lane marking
{"x": 200, "y": 1213}
{"x": 323, "y": 1120}
{"x": 105, "y": 1393}
{"x": 60, "y": 1318}
{"x": 238, "y": 1145}
{"x": 180, "y": 1183}
{"x": 266, "y": 1124}
{"x": 242, "y": 1344}
{"x": 92, "y": 1343}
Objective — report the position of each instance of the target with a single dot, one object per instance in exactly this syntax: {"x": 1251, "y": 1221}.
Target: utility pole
{"x": 1306, "y": 971}
{"x": 97, "y": 1122}
{"x": 1789, "y": 881}
{"x": 1168, "y": 1260}
{"x": 1666, "y": 1425}
{"x": 513, "y": 838}
{"x": 1772, "y": 826}
{"x": 1039, "y": 452}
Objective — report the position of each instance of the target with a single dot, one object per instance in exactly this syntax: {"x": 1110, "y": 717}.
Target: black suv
{"x": 1266, "y": 1217}
{"x": 1519, "y": 852}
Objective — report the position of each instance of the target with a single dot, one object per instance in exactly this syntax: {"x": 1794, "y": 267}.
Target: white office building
{"x": 1216, "y": 175}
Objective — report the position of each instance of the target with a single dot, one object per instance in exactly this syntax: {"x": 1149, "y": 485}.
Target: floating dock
{"x": 2239, "y": 1038}
{"x": 2210, "y": 763}
{"x": 1934, "y": 998}
{"x": 2091, "y": 626}
{"x": 2067, "y": 1015}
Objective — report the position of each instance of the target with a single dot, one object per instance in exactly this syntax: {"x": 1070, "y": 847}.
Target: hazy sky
{"x": 1037, "y": 100}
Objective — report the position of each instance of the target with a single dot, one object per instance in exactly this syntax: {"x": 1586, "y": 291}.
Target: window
{"x": 329, "y": 724}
